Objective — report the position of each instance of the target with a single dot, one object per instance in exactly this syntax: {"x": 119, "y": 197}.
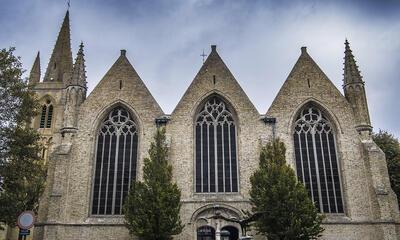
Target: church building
{"x": 95, "y": 146}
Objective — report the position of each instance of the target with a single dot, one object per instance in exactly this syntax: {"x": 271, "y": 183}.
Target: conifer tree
{"x": 284, "y": 209}
{"x": 152, "y": 207}
{"x": 22, "y": 170}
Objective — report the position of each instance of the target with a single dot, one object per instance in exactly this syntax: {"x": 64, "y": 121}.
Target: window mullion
{"x": 223, "y": 156}
{"x": 130, "y": 162}
{"x": 101, "y": 173}
{"x": 330, "y": 163}
{"x": 117, "y": 135}
{"x": 123, "y": 170}
{"x": 201, "y": 157}
{"x": 316, "y": 167}
{"x": 108, "y": 174}
{"x": 323, "y": 162}
{"x": 208, "y": 157}
{"x": 230, "y": 155}
{"x": 309, "y": 168}
{"x": 301, "y": 159}
{"x": 216, "y": 157}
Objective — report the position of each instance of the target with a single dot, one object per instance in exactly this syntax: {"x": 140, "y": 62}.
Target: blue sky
{"x": 259, "y": 41}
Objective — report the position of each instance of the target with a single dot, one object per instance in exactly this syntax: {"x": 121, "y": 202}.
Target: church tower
{"x": 354, "y": 91}
{"x": 51, "y": 90}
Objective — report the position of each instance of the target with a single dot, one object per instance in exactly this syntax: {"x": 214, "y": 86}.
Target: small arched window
{"x": 316, "y": 159}
{"x": 116, "y": 157}
{"x": 216, "y": 163}
{"x": 46, "y": 115}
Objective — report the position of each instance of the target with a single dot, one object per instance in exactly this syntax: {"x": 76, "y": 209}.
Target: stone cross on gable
{"x": 203, "y": 55}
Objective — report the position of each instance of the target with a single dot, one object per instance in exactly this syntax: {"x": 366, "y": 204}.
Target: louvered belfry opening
{"x": 116, "y": 158}
{"x": 316, "y": 159}
{"x": 46, "y": 115}
{"x": 215, "y": 139}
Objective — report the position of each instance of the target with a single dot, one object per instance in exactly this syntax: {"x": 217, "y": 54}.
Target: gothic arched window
{"x": 316, "y": 159}
{"x": 46, "y": 115}
{"x": 216, "y": 163}
{"x": 116, "y": 157}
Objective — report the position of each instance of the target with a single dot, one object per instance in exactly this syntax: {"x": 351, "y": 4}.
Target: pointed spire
{"x": 34, "y": 76}
{"x": 351, "y": 72}
{"x": 78, "y": 72}
{"x": 354, "y": 91}
{"x": 60, "y": 64}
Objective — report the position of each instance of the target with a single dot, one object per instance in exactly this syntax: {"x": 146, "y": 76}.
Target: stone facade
{"x": 371, "y": 210}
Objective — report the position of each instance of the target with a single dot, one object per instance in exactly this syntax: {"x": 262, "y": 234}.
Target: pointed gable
{"x": 60, "y": 64}
{"x": 215, "y": 77}
{"x": 122, "y": 83}
{"x": 307, "y": 82}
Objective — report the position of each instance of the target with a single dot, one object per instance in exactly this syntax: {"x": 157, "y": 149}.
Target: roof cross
{"x": 203, "y": 55}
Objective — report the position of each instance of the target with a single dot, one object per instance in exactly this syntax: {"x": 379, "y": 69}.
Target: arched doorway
{"x": 205, "y": 233}
{"x": 233, "y": 232}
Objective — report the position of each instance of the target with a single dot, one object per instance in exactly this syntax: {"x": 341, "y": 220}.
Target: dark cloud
{"x": 259, "y": 40}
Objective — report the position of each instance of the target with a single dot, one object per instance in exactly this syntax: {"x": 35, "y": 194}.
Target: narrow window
{"x": 43, "y": 117}
{"x": 116, "y": 157}
{"x": 49, "y": 116}
{"x": 216, "y": 163}
{"x": 46, "y": 115}
{"x": 316, "y": 160}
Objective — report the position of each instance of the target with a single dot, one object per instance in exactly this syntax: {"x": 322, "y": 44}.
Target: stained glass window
{"x": 317, "y": 160}
{"x": 216, "y": 161}
{"x": 116, "y": 157}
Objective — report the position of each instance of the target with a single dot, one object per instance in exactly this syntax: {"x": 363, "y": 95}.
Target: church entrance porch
{"x": 209, "y": 233}
{"x": 216, "y": 222}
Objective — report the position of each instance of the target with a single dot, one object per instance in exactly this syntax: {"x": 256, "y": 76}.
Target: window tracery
{"x": 317, "y": 160}
{"x": 216, "y": 161}
{"x": 116, "y": 157}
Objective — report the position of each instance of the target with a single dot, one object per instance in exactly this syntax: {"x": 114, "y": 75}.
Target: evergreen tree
{"x": 281, "y": 201}
{"x": 152, "y": 207}
{"x": 391, "y": 147}
{"x": 22, "y": 170}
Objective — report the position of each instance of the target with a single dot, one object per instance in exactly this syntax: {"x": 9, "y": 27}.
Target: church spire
{"x": 79, "y": 72}
{"x": 34, "y": 76}
{"x": 354, "y": 91}
{"x": 60, "y": 64}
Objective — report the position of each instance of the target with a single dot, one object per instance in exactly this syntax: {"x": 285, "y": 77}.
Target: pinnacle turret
{"x": 351, "y": 72}
{"x": 78, "y": 72}
{"x": 34, "y": 76}
{"x": 60, "y": 64}
{"x": 354, "y": 91}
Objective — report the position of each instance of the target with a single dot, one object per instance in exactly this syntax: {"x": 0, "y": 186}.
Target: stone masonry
{"x": 371, "y": 210}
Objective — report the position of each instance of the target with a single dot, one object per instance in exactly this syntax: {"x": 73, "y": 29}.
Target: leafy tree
{"x": 391, "y": 147}
{"x": 152, "y": 207}
{"x": 282, "y": 202}
{"x": 22, "y": 170}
